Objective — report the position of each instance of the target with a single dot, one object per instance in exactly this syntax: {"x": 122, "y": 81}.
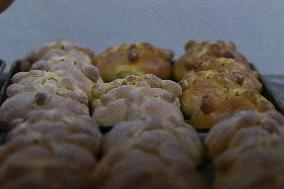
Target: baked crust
{"x": 211, "y": 96}
{"x": 196, "y": 52}
{"x": 244, "y": 76}
{"x": 134, "y": 59}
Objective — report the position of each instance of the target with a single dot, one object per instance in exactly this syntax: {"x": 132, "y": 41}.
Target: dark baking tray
{"x": 2, "y": 65}
{"x": 2, "y": 75}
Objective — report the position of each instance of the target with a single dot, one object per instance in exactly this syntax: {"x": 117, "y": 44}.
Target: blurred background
{"x": 256, "y": 26}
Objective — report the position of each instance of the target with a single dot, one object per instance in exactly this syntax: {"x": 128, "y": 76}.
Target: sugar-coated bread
{"x": 170, "y": 132}
{"x": 57, "y": 126}
{"x": 134, "y": 59}
{"x": 62, "y": 46}
{"x": 197, "y": 52}
{"x": 135, "y": 107}
{"x": 135, "y": 98}
{"x": 242, "y": 129}
{"x": 147, "y": 80}
{"x": 260, "y": 168}
{"x": 34, "y": 162}
{"x": 15, "y": 109}
{"x": 65, "y": 61}
{"x": 59, "y": 83}
{"x": 147, "y": 166}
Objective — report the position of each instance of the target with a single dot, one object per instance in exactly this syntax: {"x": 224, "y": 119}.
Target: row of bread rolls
{"x": 150, "y": 145}
{"x": 216, "y": 79}
{"x": 52, "y": 140}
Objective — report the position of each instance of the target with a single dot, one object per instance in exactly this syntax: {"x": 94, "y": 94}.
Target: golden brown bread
{"x": 211, "y": 96}
{"x": 246, "y": 77}
{"x": 59, "y": 47}
{"x": 234, "y": 102}
{"x": 197, "y": 85}
{"x": 172, "y": 132}
{"x": 135, "y": 107}
{"x": 260, "y": 166}
{"x": 135, "y": 59}
{"x": 56, "y": 83}
{"x": 36, "y": 162}
{"x": 17, "y": 107}
{"x": 243, "y": 129}
{"x": 196, "y": 52}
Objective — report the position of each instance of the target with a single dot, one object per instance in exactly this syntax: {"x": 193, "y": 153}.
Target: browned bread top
{"x": 198, "y": 85}
{"x": 197, "y": 52}
{"x": 244, "y": 75}
{"x": 135, "y": 59}
{"x": 234, "y": 101}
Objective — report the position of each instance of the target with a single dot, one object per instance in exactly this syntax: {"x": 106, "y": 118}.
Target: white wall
{"x": 256, "y": 26}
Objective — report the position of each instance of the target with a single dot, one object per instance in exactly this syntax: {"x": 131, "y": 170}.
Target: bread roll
{"x": 38, "y": 163}
{"x": 175, "y": 133}
{"x": 56, "y": 83}
{"x": 243, "y": 129}
{"x": 148, "y": 163}
{"x": 147, "y": 80}
{"x": 16, "y": 108}
{"x": 244, "y": 76}
{"x": 135, "y": 59}
{"x": 211, "y": 96}
{"x": 259, "y": 167}
{"x": 59, "y": 47}
{"x": 198, "y": 52}
{"x": 57, "y": 126}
